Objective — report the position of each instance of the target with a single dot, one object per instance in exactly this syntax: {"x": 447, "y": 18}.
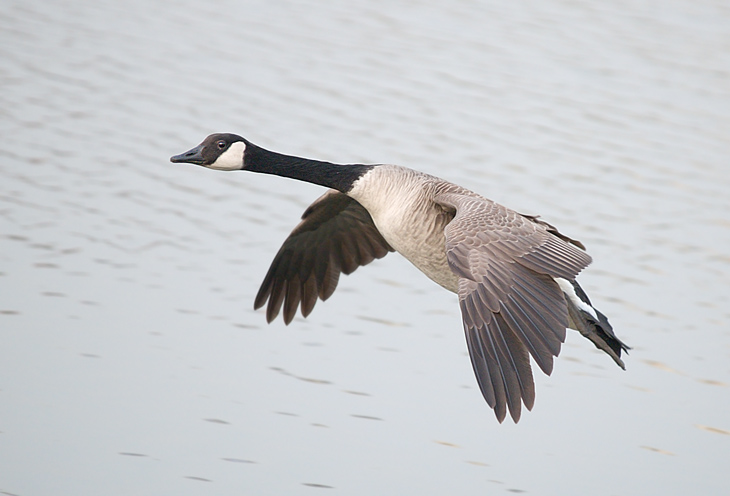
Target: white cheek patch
{"x": 231, "y": 159}
{"x": 567, "y": 288}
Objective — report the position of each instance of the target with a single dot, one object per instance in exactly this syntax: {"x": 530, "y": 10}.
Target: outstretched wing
{"x": 510, "y": 303}
{"x": 336, "y": 235}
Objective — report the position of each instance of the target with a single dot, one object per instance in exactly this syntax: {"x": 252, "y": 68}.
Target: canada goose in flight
{"x": 514, "y": 274}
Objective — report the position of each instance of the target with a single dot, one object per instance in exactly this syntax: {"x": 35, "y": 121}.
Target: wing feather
{"x": 511, "y": 305}
{"x": 336, "y": 235}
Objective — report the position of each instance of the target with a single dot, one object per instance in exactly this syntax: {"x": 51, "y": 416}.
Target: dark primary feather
{"x": 510, "y": 303}
{"x": 336, "y": 235}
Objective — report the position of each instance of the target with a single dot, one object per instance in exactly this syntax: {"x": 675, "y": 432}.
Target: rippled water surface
{"x": 131, "y": 360}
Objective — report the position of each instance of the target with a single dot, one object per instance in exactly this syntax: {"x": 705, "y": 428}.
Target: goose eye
{"x": 221, "y": 144}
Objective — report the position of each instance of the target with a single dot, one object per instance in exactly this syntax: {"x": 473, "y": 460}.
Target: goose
{"x": 514, "y": 274}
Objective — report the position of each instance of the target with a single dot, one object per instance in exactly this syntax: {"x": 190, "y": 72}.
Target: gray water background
{"x": 131, "y": 360}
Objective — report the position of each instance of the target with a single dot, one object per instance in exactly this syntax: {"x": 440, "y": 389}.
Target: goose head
{"x": 221, "y": 151}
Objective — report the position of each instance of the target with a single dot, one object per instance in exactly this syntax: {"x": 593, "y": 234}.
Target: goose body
{"x": 414, "y": 224}
{"x": 515, "y": 275}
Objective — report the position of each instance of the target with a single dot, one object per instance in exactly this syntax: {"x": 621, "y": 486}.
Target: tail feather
{"x": 591, "y": 323}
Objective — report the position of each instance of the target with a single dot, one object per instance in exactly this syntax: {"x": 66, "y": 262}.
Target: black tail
{"x": 598, "y": 329}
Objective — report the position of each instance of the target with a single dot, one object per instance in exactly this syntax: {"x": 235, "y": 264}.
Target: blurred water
{"x": 131, "y": 360}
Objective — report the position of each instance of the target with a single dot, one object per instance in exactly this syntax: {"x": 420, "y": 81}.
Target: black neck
{"x": 336, "y": 176}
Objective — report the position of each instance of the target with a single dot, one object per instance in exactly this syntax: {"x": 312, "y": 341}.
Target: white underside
{"x": 569, "y": 291}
